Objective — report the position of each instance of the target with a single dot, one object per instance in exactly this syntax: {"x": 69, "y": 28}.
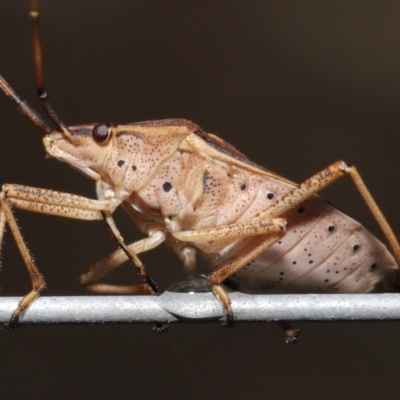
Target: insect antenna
{"x": 43, "y": 96}
{"x": 24, "y": 107}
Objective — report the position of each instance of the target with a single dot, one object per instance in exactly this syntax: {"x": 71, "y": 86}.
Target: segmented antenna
{"x": 24, "y": 107}
{"x": 43, "y": 96}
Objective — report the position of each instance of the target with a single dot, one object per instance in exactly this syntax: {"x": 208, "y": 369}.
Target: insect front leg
{"x": 38, "y": 282}
{"x": 47, "y": 202}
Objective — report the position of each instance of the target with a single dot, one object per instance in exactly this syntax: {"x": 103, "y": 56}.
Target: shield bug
{"x": 259, "y": 232}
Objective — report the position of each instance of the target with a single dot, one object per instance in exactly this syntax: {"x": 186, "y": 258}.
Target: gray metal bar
{"x": 198, "y": 307}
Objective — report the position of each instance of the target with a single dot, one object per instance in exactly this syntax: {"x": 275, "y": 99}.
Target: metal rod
{"x": 201, "y": 307}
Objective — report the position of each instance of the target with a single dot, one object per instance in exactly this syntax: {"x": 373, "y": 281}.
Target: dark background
{"x": 294, "y": 85}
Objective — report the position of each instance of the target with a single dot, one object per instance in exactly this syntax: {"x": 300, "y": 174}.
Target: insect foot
{"x": 292, "y": 334}
{"x": 293, "y": 337}
{"x": 160, "y": 328}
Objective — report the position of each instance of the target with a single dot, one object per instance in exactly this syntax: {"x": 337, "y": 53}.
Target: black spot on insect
{"x": 301, "y": 210}
{"x": 294, "y": 262}
{"x": 326, "y": 280}
{"x": 167, "y": 187}
{"x": 242, "y": 186}
{"x": 206, "y": 176}
{"x": 281, "y": 273}
{"x": 373, "y": 266}
{"x": 280, "y": 242}
{"x": 120, "y": 163}
{"x": 356, "y": 247}
{"x": 336, "y": 272}
{"x": 328, "y": 270}
{"x": 311, "y": 261}
{"x": 270, "y": 196}
{"x": 331, "y": 228}
{"x": 134, "y": 168}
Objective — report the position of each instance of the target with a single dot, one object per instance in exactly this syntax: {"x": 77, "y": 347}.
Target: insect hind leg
{"x": 221, "y": 273}
{"x": 375, "y": 211}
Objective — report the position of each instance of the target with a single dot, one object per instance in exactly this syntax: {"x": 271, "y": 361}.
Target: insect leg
{"x": 292, "y": 334}
{"x": 114, "y": 260}
{"x": 120, "y": 240}
{"x": 321, "y": 180}
{"x": 50, "y": 202}
{"x": 38, "y": 282}
{"x": 43, "y": 201}
{"x": 254, "y": 227}
{"x": 375, "y": 211}
{"x": 230, "y": 233}
{"x": 221, "y": 273}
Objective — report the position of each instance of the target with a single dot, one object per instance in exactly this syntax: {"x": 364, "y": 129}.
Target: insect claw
{"x": 229, "y": 323}
{"x": 160, "y": 328}
{"x": 10, "y": 326}
{"x": 152, "y": 286}
{"x": 292, "y": 336}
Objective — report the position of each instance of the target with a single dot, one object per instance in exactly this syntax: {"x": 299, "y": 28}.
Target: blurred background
{"x": 295, "y": 86}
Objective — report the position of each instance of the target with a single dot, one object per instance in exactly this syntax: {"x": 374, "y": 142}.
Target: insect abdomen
{"x": 327, "y": 252}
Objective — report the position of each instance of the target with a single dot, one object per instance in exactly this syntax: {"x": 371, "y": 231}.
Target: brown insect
{"x": 260, "y": 232}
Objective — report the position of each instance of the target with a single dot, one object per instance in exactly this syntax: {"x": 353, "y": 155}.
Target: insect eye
{"x": 101, "y": 132}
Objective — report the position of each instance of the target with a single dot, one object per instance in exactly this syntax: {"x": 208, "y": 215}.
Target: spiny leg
{"x": 51, "y": 202}
{"x": 70, "y": 206}
{"x": 38, "y": 282}
{"x": 221, "y": 273}
{"x": 114, "y": 260}
{"x": 375, "y": 211}
{"x": 232, "y": 232}
{"x": 323, "y": 179}
{"x": 120, "y": 240}
{"x": 44, "y": 201}
{"x": 47, "y": 202}
{"x": 229, "y": 233}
